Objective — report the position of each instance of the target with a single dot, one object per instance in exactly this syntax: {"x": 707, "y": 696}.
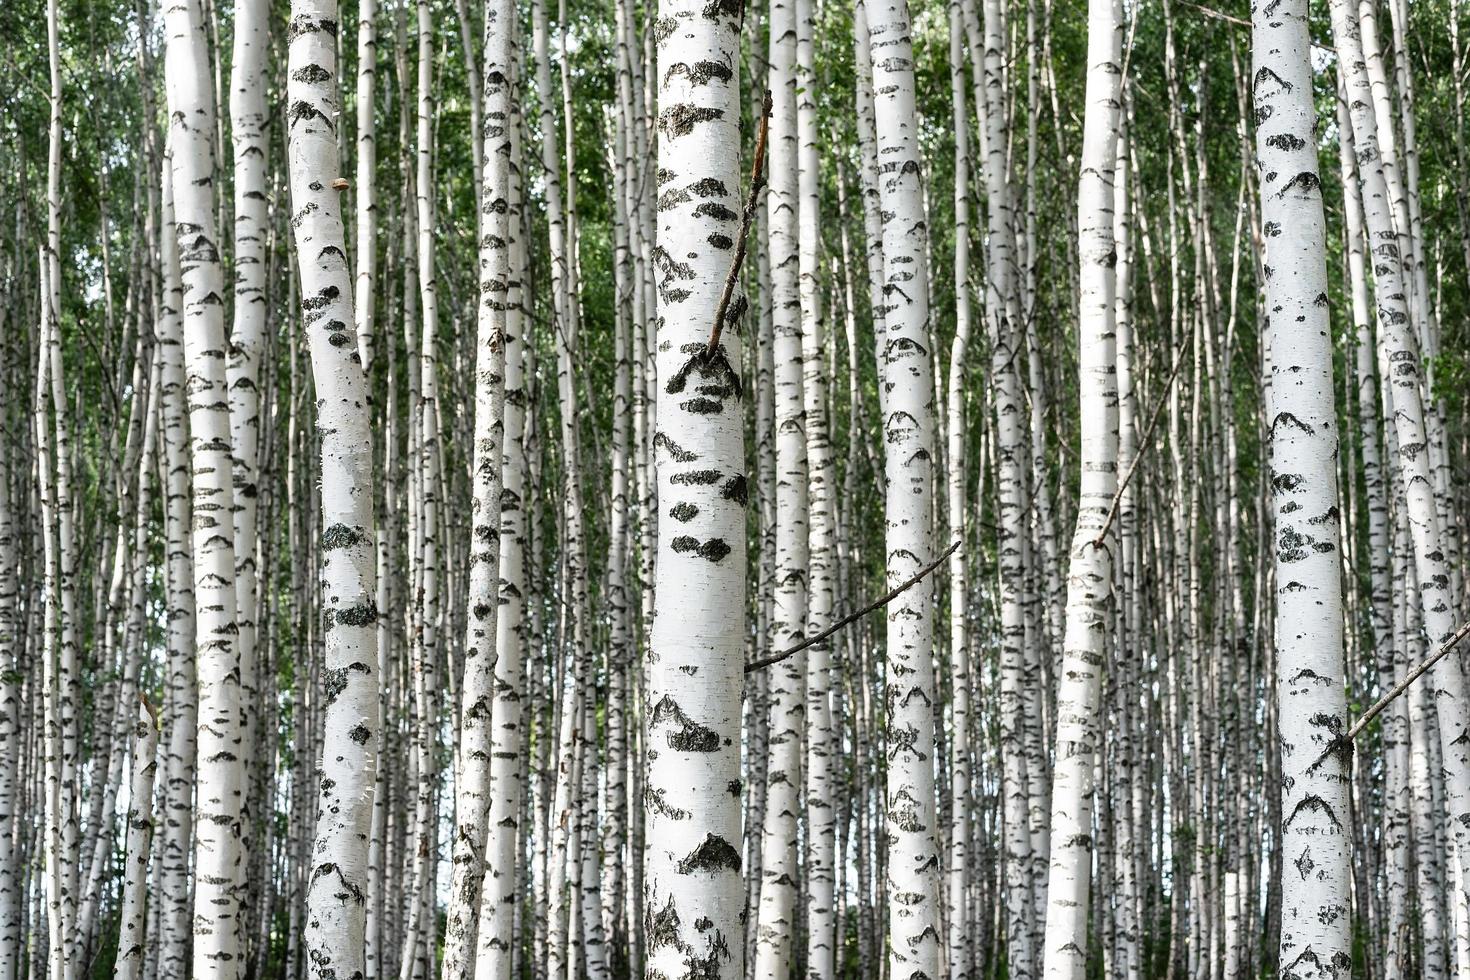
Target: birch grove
{"x": 529, "y": 490}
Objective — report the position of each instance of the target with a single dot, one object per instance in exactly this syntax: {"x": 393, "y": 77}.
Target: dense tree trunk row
{"x": 446, "y": 474}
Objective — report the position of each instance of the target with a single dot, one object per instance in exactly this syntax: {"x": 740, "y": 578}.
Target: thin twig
{"x": 878, "y": 603}
{"x": 1143, "y": 445}
{"x": 1409, "y": 678}
{"x": 757, "y": 182}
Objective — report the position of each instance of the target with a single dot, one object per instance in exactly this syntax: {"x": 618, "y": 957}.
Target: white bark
{"x": 776, "y": 925}
{"x": 472, "y": 782}
{"x": 908, "y": 428}
{"x": 693, "y": 892}
{"x": 495, "y": 955}
{"x": 1090, "y": 575}
{"x": 337, "y": 879}
{"x": 132, "y": 932}
{"x": 822, "y": 740}
{"x": 365, "y": 238}
{"x": 218, "y": 869}
{"x": 178, "y": 823}
{"x": 1316, "y": 934}
{"x": 958, "y": 942}
{"x": 251, "y": 145}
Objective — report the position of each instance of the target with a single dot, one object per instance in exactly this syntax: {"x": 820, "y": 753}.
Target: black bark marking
{"x": 695, "y": 478}
{"x": 1286, "y": 418}
{"x": 690, "y": 736}
{"x": 680, "y": 119}
{"x": 735, "y": 489}
{"x": 715, "y": 549}
{"x": 714, "y": 854}
{"x": 662, "y": 926}
{"x": 715, "y": 210}
{"x": 1309, "y": 182}
{"x": 684, "y": 511}
{"x": 1286, "y": 141}
{"x": 341, "y": 536}
{"x": 1312, "y": 803}
{"x": 311, "y": 73}
{"x": 679, "y": 453}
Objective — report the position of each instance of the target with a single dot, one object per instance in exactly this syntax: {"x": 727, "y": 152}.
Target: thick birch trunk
{"x": 1316, "y": 938}
{"x": 337, "y": 883}
{"x": 693, "y": 893}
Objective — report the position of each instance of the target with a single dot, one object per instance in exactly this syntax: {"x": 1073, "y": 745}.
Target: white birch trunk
{"x": 908, "y": 428}
{"x": 776, "y": 923}
{"x": 472, "y": 782}
{"x": 365, "y": 237}
{"x": 251, "y": 144}
{"x": 693, "y": 892}
{"x": 1316, "y": 919}
{"x": 959, "y": 941}
{"x": 337, "y": 881}
{"x": 822, "y": 744}
{"x": 175, "y": 892}
{"x": 495, "y": 952}
{"x": 132, "y": 935}
{"x": 218, "y": 868}
{"x": 1090, "y": 576}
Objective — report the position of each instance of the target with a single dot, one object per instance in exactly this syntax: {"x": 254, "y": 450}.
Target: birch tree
{"x": 338, "y": 877}
{"x": 1316, "y": 939}
{"x": 908, "y": 452}
{"x": 693, "y": 896}
{"x": 1090, "y": 572}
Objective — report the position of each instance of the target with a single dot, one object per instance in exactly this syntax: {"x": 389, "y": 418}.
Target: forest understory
{"x": 697, "y": 490}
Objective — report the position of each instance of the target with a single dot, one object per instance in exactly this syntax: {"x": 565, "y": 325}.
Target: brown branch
{"x": 1143, "y": 445}
{"x": 1409, "y": 678}
{"x": 757, "y": 182}
{"x": 847, "y": 620}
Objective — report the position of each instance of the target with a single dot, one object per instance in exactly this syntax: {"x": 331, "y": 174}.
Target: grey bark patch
{"x": 683, "y": 511}
{"x": 362, "y": 614}
{"x": 713, "y": 854}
